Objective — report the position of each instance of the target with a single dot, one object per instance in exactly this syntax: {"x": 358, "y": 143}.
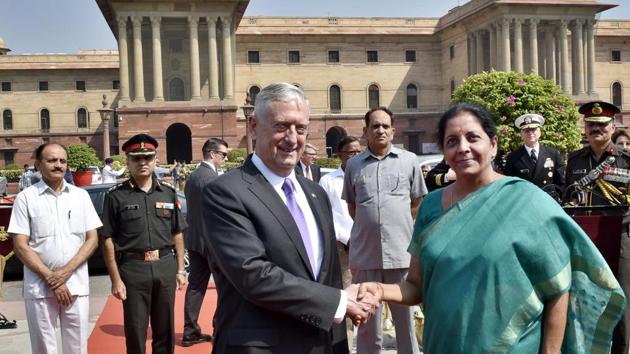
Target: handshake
{"x": 363, "y": 300}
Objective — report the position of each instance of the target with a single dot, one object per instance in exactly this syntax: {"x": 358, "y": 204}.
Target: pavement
{"x": 16, "y": 341}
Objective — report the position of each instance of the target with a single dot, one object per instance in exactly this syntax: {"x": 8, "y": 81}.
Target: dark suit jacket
{"x": 435, "y": 177}
{"x": 268, "y": 300}
{"x": 194, "y": 235}
{"x": 549, "y": 168}
{"x": 315, "y": 171}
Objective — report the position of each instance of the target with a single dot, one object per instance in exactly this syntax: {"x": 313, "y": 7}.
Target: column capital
{"x": 564, "y": 23}
{"x": 579, "y": 21}
{"x": 193, "y": 20}
{"x": 225, "y": 23}
{"x": 156, "y": 20}
{"x": 518, "y": 21}
{"x": 122, "y": 21}
{"x": 505, "y": 21}
{"x": 211, "y": 20}
{"x": 590, "y": 23}
{"x": 137, "y": 20}
{"x": 534, "y": 21}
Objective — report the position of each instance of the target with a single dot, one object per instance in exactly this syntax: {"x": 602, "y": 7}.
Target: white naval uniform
{"x": 56, "y": 226}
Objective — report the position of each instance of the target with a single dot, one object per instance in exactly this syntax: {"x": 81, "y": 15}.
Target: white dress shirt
{"x": 529, "y": 150}
{"x": 276, "y": 182}
{"x": 56, "y": 225}
{"x": 333, "y": 185}
{"x": 110, "y": 175}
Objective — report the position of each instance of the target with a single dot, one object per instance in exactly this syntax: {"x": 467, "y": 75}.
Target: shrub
{"x": 11, "y": 175}
{"x": 120, "y": 161}
{"x": 13, "y": 167}
{"x": 507, "y": 95}
{"x": 328, "y": 162}
{"x": 81, "y": 156}
{"x": 237, "y": 155}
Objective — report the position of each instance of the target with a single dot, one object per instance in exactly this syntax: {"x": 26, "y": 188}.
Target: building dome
{"x": 3, "y": 47}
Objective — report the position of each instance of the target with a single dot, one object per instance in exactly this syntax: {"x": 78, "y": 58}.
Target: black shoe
{"x": 187, "y": 341}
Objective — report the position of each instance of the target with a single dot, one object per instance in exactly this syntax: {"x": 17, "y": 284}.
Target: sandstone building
{"x": 183, "y": 68}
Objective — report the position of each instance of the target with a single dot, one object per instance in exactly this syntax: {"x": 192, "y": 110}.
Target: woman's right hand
{"x": 372, "y": 288}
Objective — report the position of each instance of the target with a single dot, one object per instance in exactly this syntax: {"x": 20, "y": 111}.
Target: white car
{"x": 427, "y": 162}
{"x": 97, "y": 178}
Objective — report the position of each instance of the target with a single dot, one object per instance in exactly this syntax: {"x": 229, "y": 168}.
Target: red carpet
{"x": 108, "y": 335}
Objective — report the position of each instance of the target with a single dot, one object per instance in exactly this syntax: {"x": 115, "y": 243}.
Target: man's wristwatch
{"x": 182, "y": 272}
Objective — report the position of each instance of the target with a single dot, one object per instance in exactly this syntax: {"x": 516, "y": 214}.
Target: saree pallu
{"x": 491, "y": 261}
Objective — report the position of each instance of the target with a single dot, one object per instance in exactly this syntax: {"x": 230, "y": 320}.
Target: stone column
{"x": 518, "y": 45}
{"x": 193, "y": 35}
{"x": 550, "y": 60}
{"x": 505, "y": 44}
{"x": 564, "y": 57}
{"x": 137, "y": 59}
{"x": 228, "y": 77}
{"x": 158, "y": 87}
{"x": 479, "y": 52}
{"x": 492, "y": 39}
{"x": 590, "y": 58}
{"x": 213, "y": 80}
{"x": 578, "y": 85}
{"x": 123, "y": 57}
{"x": 533, "y": 46}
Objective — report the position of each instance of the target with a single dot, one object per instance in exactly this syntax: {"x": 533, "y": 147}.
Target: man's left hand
{"x": 182, "y": 280}
{"x": 57, "y": 278}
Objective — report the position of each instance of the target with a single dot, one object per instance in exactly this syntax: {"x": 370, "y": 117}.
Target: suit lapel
{"x": 318, "y": 213}
{"x": 527, "y": 161}
{"x": 263, "y": 190}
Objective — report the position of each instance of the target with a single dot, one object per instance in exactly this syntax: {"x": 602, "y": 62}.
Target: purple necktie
{"x": 298, "y": 217}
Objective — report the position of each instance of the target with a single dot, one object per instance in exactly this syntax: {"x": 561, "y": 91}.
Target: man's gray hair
{"x": 310, "y": 146}
{"x": 278, "y": 92}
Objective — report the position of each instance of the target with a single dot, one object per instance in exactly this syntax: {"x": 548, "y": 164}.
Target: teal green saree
{"x": 491, "y": 261}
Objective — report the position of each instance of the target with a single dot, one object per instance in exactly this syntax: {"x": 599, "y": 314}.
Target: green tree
{"x": 81, "y": 156}
{"x": 507, "y": 95}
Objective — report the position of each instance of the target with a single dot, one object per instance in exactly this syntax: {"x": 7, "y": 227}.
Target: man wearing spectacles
{"x": 307, "y": 166}
{"x": 333, "y": 185}
{"x": 214, "y": 156}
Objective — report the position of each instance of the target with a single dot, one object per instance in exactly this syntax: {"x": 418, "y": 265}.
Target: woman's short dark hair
{"x": 619, "y": 132}
{"x": 483, "y": 117}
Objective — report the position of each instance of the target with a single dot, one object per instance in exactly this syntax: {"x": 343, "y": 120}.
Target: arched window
{"x": 412, "y": 96}
{"x": 82, "y": 120}
{"x": 616, "y": 94}
{"x": 176, "y": 90}
{"x": 373, "y": 96}
{"x": 335, "y": 98}
{"x": 7, "y": 119}
{"x": 44, "y": 117}
{"x": 253, "y": 92}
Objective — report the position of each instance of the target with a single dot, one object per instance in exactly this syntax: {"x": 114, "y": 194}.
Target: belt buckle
{"x": 152, "y": 255}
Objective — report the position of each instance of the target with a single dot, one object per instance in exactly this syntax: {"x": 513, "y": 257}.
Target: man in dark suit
{"x": 214, "y": 154}
{"x": 307, "y": 166}
{"x": 533, "y": 161}
{"x": 271, "y": 236}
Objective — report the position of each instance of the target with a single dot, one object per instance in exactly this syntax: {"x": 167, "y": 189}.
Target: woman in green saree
{"x": 497, "y": 264}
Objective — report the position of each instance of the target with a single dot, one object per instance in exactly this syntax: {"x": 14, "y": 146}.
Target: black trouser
{"x": 197, "y": 284}
{"x": 150, "y": 296}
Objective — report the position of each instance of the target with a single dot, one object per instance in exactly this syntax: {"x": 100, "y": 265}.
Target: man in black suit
{"x": 307, "y": 166}
{"x": 533, "y": 161}
{"x": 214, "y": 154}
{"x": 271, "y": 236}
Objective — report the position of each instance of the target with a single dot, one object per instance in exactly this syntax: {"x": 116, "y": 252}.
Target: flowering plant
{"x": 507, "y": 95}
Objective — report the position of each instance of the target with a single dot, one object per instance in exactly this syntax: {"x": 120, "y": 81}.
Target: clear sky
{"x": 64, "y": 26}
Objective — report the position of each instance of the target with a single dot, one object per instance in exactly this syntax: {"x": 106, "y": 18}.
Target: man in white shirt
{"x": 109, "y": 174}
{"x": 333, "y": 185}
{"x": 53, "y": 226}
{"x": 25, "y": 178}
